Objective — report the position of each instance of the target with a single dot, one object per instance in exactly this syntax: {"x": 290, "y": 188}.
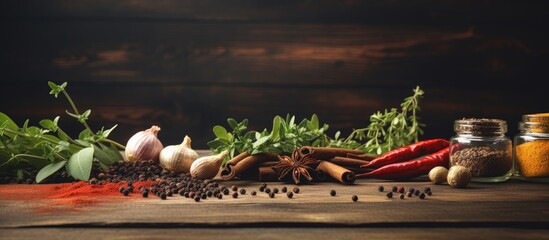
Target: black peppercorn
{"x": 197, "y": 199}
{"x": 163, "y": 196}
{"x": 390, "y": 194}
{"x": 401, "y": 196}
{"x": 261, "y": 189}
{"x": 186, "y": 194}
{"x": 395, "y": 188}
{"x": 235, "y": 194}
{"x": 226, "y": 191}
{"x": 409, "y": 194}
{"x": 416, "y": 192}
{"x": 254, "y": 193}
{"x": 130, "y": 184}
{"x": 242, "y": 191}
{"x": 296, "y": 190}
{"x": 284, "y": 189}
{"x": 429, "y": 193}
{"x": 126, "y": 192}
{"x": 422, "y": 196}
{"x": 219, "y": 196}
{"x": 272, "y": 195}
{"x": 169, "y": 193}
{"x": 234, "y": 188}
{"x": 267, "y": 190}
{"x": 145, "y": 194}
{"x": 411, "y": 190}
{"x": 290, "y": 194}
{"x": 263, "y": 185}
{"x": 427, "y": 189}
{"x": 121, "y": 189}
{"x": 275, "y": 190}
{"x": 355, "y": 198}
{"x": 380, "y": 188}
{"x": 204, "y": 195}
{"x": 209, "y": 193}
{"x": 401, "y": 189}
{"x": 332, "y": 192}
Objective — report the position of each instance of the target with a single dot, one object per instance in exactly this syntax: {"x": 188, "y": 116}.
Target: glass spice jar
{"x": 531, "y": 148}
{"x": 481, "y": 146}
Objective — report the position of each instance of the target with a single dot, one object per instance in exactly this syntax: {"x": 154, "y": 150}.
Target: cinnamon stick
{"x": 364, "y": 156}
{"x": 267, "y": 174}
{"x": 342, "y": 174}
{"x": 348, "y": 162}
{"x": 328, "y": 152}
{"x": 229, "y": 165}
{"x": 253, "y": 173}
{"x": 233, "y": 169}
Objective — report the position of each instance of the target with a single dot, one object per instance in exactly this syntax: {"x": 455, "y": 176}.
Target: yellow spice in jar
{"x": 533, "y": 158}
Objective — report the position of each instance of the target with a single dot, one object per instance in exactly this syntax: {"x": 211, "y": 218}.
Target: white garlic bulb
{"x": 207, "y": 167}
{"x": 178, "y": 158}
{"x": 144, "y": 145}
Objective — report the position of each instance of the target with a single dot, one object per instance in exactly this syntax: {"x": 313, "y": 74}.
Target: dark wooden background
{"x": 188, "y": 65}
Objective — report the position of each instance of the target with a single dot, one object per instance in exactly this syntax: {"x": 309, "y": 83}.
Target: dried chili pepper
{"x": 410, "y": 169}
{"x": 409, "y": 152}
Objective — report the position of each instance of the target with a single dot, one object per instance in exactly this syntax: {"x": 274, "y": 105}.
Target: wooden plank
{"x": 377, "y": 12}
{"x": 512, "y": 204}
{"x": 276, "y": 233}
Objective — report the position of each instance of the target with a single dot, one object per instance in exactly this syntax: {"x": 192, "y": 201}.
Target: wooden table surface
{"x": 511, "y": 210}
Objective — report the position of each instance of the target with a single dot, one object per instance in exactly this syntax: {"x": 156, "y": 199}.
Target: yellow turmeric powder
{"x": 533, "y": 158}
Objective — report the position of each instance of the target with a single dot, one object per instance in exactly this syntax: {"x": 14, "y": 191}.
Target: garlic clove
{"x": 178, "y": 158}
{"x": 144, "y": 145}
{"x": 207, "y": 167}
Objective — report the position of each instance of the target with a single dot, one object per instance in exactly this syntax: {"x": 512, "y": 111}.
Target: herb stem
{"x": 114, "y": 143}
{"x": 71, "y": 102}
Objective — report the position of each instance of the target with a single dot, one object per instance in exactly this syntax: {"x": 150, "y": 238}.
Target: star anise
{"x": 297, "y": 166}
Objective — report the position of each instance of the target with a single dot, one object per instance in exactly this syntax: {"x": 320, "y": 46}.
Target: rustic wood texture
{"x": 189, "y": 65}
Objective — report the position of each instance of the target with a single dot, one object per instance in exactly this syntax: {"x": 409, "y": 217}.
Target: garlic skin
{"x": 178, "y": 158}
{"x": 144, "y": 145}
{"x": 207, "y": 167}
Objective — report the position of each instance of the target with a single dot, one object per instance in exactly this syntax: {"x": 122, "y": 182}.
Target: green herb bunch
{"x": 284, "y": 136}
{"x": 48, "y": 148}
{"x": 387, "y": 130}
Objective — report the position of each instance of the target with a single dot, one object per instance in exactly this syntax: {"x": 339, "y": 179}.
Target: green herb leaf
{"x": 80, "y": 164}
{"x": 49, "y": 170}
{"x": 221, "y": 132}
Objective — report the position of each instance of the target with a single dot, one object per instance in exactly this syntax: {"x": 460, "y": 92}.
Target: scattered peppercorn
{"x": 409, "y": 194}
{"x": 429, "y": 193}
{"x": 254, "y": 193}
{"x": 390, "y": 194}
{"x": 422, "y": 196}
{"x": 126, "y": 192}
{"x": 427, "y": 189}
{"x": 395, "y": 188}
{"x": 332, "y": 192}
{"x": 186, "y": 194}
{"x": 169, "y": 193}
{"x": 204, "y": 195}
{"x": 163, "y": 196}
{"x": 275, "y": 190}
{"x": 401, "y": 196}
{"x": 296, "y": 190}
{"x": 401, "y": 189}
{"x": 121, "y": 189}
{"x": 145, "y": 194}
{"x": 416, "y": 193}
{"x": 267, "y": 190}
{"x": 242, "y": 191}
{"x": 380, "y": 188}
{"x": 290, "y": 194}
{"x": 197, "y": 199}
{"x": 226, "y": 191}
{"x": 261, "y": 189}
{"x": 234, "y": 188}
{"x": 284, "y": 189}
{"x": 235, "y": 194}
{"x": 411, "y": 190}
{"x": 272, "y": 195}
{"x": 263, "y": 185}
{"x": 219, "y": 196}
{"x": 355, "y": 198}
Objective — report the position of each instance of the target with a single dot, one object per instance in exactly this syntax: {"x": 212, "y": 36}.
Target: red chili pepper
{"x": 409, "y": 152}
{"x": 410, "y": 169}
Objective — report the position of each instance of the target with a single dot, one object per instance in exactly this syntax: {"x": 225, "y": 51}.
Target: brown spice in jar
{"x": 483, "y": 161}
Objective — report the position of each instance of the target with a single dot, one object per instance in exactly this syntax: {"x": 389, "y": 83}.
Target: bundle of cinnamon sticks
{"x": 337, "y": 163}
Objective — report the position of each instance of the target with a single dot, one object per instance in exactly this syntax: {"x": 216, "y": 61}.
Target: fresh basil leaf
{"x": 232, "y": 123}
{"x": 49, "y": 170}
{"x": 80, "y": 164}
{"x": 220, "y": 132}
{"x": 260, "y": 141}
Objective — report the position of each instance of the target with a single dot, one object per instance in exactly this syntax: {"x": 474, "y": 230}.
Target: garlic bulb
{"x": 207, "y": 167}
{"x": 178, "y": 158}
{"x": 144, "y": 145}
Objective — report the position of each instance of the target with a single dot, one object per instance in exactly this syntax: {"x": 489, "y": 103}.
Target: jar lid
{"x": 481, "y": 126}
{"x": 535, "y": 123}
